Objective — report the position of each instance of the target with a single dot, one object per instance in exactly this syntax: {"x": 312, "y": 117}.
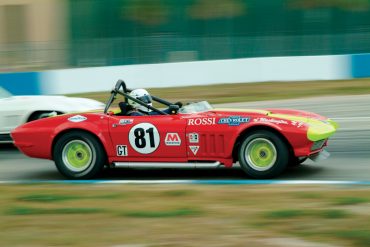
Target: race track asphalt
{"x": 349, "y": 148}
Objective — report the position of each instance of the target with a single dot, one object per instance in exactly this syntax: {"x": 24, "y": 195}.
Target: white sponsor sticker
{"x": 121, "y": 150}
{"x": 193, "y": 138}
{"x": 77, "y": 118}
{"x": 144, "y": 138}
{"x": 194, "y": 149}
{"x": 172, "y": 139}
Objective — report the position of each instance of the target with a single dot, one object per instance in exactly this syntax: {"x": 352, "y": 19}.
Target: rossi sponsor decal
{"x": 202, "y": 121}
{"x": 233, "y": 120}
{"x": 194, "y": 149}
{"x": 121, "y": 150}
{"x": 125, "y": 121}
{"x": 77, "y": 118}
{"x": 193, "y": 138}
{"x": 172, "y": 139}
{"x": 270, "y": 120}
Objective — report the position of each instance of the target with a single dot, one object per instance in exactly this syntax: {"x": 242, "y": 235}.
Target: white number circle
{"x": 144, "y": 138}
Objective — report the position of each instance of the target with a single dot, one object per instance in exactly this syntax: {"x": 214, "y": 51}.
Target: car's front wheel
{"x": 79, "y": 155}
{"x": 263, "y": 154}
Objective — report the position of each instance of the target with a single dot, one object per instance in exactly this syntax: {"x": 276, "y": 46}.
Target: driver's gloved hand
{"x": 179, "y": 103}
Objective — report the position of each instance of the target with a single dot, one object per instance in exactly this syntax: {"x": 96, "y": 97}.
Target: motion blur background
{"x": 54, "y": 34}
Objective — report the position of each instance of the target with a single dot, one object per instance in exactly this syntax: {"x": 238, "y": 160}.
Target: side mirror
{"x": 173, "y": 109}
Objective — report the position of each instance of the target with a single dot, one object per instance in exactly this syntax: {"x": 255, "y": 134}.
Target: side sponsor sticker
{"x": 194, "y": 149}
{"x": 233, "y": 120}
{"x": 125, "y": 121}
{"x": 77, "y": 119}
{"x": 172, "y": 139}
{"x": 270, "y": 120}
{"x": 193, "y": 138}
{"x": 121, "y": 150}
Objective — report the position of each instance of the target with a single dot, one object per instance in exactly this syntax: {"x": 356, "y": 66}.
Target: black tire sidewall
{"x": 95, "y": 147}
{"x": 281, "y": 159}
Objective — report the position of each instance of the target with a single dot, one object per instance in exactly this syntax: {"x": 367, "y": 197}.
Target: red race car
{"x": 264, "y": 142}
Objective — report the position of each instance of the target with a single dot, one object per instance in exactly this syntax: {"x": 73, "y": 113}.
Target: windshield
{"x": 4, "y": 93}
{"x": 196, "y": 107}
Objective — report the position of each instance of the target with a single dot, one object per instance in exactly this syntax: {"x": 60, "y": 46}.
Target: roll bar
{"x": 125, "y": 92}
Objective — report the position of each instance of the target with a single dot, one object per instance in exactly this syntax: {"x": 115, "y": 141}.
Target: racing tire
{"x": 263, "y": 154}
{"x": 79, "y": 155}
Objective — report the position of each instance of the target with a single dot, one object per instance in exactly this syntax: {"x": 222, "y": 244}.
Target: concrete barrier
{"x": 300, "y": 68}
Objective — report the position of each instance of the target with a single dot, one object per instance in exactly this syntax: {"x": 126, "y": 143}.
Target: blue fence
{"x": 360, "y": 65}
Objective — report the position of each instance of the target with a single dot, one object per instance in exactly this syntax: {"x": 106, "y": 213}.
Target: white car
{"x": 16, "y": 110}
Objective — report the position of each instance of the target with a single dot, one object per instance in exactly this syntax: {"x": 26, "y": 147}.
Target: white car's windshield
{"x": 4, "y": 93}
{"x": 196, "y": 107}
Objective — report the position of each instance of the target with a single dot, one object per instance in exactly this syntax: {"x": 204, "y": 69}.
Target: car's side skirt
{"x": 166, "y": 164}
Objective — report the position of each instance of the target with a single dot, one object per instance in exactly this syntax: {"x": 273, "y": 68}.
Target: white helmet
{"x": 142, "y": 95}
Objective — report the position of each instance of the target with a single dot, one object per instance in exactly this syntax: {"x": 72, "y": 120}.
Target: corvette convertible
{"x": 193, "y": 135}
{"x": 16, "y": 110}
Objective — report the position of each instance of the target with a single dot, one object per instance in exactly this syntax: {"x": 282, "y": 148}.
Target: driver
{"x": 140, "y": 110}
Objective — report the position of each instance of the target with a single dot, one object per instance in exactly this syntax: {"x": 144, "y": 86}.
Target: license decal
{"x": 172, "y": 139}
{"x": 233, "y": 120}
{"x": 121, "y": 150}
{"x": 77, "y": 119}
{"x": 194, "y": 149}
{"x": 144, "y": 138}
{"x": 193, "y": 138}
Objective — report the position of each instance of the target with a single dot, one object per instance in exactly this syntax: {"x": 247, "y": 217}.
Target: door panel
{"x": 152, "y": 137}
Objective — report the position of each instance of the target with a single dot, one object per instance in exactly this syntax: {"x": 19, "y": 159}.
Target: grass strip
{"x": 43, "y": 211}
{"x": 161, "y": 214}
{"x": 244, "y": 92}
{"x": 295, "y": 213}
{"x": 49, "y": 198}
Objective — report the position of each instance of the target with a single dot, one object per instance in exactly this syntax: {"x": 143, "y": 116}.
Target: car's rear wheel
{"x": 263, "y": 154}
{"x": 79, "y": 155}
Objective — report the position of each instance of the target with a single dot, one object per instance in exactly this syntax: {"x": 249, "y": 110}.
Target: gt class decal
{"x": 77, "y": 119}
{"x": 121, "y": 150}
{"x": 202, "y": 121}
{"x": 172, "y": 139}
{"x": 144, "y": 138}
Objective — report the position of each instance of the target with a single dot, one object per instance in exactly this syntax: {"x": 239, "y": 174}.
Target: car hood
{"x": 318, "y": 127}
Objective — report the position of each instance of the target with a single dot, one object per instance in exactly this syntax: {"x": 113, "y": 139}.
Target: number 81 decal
{"x": 144, "y": 138}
